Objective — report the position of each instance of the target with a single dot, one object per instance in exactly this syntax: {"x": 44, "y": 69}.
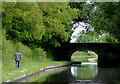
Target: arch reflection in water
{"x": 85, "y": 71}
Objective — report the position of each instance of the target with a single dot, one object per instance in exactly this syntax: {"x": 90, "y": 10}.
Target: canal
{"x": 84, "y": 73}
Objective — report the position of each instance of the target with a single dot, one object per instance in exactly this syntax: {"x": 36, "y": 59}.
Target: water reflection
{"x": 85, "y": 71}
{"x": 90, "y": 73}
{"x": 108, "y": 75}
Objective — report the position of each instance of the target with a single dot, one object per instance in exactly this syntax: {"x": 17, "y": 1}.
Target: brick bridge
{"x": 108, "y": 55}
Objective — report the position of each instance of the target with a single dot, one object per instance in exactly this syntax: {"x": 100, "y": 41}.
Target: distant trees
{"x": 103, "y": 17}
{"x": 91, "y": 36}
{"x": 38, "y": 23}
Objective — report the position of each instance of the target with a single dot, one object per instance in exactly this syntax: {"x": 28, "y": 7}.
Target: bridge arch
{"x": 101, "y": 49}
{"x": 79, "y": 49}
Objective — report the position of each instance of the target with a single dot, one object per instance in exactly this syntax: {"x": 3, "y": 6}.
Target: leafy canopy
{"x": 103, "y": 17}
{"x": 34, "y": 23}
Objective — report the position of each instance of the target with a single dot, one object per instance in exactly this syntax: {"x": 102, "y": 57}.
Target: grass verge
{"x": 11, "y": 72}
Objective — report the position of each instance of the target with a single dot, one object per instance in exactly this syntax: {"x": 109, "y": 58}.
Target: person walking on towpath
{"x": 18, "y": 57}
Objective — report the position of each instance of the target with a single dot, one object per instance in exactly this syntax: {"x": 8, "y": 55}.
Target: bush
{"x": 38, "y": 53}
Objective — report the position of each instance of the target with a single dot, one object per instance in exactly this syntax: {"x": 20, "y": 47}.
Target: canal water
{"x": 77, "y": 74}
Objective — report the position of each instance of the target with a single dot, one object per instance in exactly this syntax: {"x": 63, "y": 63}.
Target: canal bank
{"x": 37, "y": 71}
{"x": 49, "y": 67}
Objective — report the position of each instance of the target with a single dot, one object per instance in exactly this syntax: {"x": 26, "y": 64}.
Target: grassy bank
{"x": 32, "y": 60}
{"x": 10, "y": 72}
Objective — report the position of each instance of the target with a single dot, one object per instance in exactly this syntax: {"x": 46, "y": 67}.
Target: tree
{"x": 38, "y": 23}
{"x": 106, "y": 19}
{"x": 103, "y": 17}
{"x": 91, "y": 36}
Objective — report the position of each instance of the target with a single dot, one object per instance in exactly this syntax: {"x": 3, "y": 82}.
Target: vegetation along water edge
{"x": 31, "y": 62}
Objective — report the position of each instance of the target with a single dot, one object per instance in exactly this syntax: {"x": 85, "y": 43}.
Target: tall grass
{"x": 0, "y": 55}
{"x": 31, "y": 58}
{"x": 9, "y": 49}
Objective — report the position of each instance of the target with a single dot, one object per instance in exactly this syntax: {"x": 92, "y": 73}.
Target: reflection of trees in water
{"x": 95, "y": 74}
{"x": 110, "y": 75}
{"x": 84, "y": 72}
{"x": 63, "y": 76}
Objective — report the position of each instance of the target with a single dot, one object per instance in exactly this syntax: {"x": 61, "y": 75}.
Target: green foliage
{"x": 85, "y": 53}
{"x": 29, "y": 61}
{"x": 9, "y": 49}
{"x": 83, "y": 11}
{"x": 0, "y": 45}
{"x": 38, "y": 53}
{"x": 32, "y": 59}
{"x": 103, "y": 17}
{"x": 91, "y": 36}
{"x": 33, "y": 23}
{"x": 82, "y": 56}
{"x": 106, "y": 19}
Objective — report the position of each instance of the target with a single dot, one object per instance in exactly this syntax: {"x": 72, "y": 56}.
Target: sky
{"x": 76, "y": 31}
